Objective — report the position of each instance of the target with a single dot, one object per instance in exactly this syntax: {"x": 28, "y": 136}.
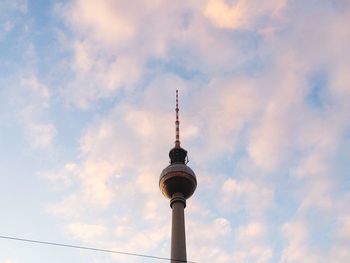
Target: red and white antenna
{"x": 177, "y": 122}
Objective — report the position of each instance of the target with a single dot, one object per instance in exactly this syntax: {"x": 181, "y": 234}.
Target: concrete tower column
{"x": 178, "y": 237}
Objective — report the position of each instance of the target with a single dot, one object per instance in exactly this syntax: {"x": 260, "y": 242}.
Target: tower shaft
{"x": 178, "y": 237}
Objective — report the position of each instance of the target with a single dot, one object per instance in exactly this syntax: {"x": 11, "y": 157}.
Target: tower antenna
{"x": 177, "y": 122}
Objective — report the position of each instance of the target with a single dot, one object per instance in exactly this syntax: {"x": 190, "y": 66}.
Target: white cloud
{"x": 256, "y": 118}
{"x": 86, "y": 232}
{"x": 114, "y": 37}
{"x": 218, "y": 228}
{"x": 251, "y": 231}
{"x": 64, "y": 178}
{"x": 38, "y": 89}
{"x": 101, "y": 20}
{"x": 101, "y": 58}
{"x": 204, "y": 239}
{"x": 253, "y": 197}
{"x": 344, "y": 229}
{"x": 224, "y": 109}
{"x": 33, "y": 103}
{"x": 296, "y": 232}
{"x": 298, "y": 248}
{"x": 241, "y": 14}
{"x": 216, "y": 242}
{"x": 40, "y": 135}
{"x": 107, "y": 179}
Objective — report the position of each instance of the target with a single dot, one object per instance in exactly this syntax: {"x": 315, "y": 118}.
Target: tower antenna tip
{"x": 177, "y": 122}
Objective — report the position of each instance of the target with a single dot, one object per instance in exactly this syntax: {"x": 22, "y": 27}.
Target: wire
{"x": 91, "y": 248}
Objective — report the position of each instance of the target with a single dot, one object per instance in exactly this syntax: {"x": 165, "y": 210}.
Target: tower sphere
{"x": 177, "y": 178}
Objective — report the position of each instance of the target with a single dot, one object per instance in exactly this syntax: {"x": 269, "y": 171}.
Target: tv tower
{"x": 178, "y": 182}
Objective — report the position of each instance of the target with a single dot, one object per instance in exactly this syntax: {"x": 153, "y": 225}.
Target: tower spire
{"x": 177, "y": 154}
{"x": 177, "y": 122}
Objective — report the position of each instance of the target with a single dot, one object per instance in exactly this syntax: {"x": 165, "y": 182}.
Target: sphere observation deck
{"x": 177, "y": 177}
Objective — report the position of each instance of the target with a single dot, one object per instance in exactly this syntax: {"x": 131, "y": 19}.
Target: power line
{"x": 91, "y": 248}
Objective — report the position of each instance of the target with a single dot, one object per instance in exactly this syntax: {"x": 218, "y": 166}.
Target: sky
{"x": 87, "y": 99}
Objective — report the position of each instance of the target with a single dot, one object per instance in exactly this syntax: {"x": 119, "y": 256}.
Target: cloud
{"x": 106, "y": 179}
{"x": 107, "y": 56}
{"x": 101, "y": 20}
{"x": 263, "y": 153}
{"x": 253, "y": 197}
{"x": 40, "y": 133}
{"x": 37, "y": 88}
{"x": 86, "y": 232}
{"x": 102, "y": 50}
{"x": 251, "y": 231}
{"x": 217, "y": 241}
{"x": 344, "y": 230}
{"x": 296, "y": 232}
{"x": 241, "y": 14}
{"x": 64, "y": 178}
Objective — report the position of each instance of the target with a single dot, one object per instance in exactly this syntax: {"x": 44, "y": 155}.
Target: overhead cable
{"x": 91, "y": 248}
